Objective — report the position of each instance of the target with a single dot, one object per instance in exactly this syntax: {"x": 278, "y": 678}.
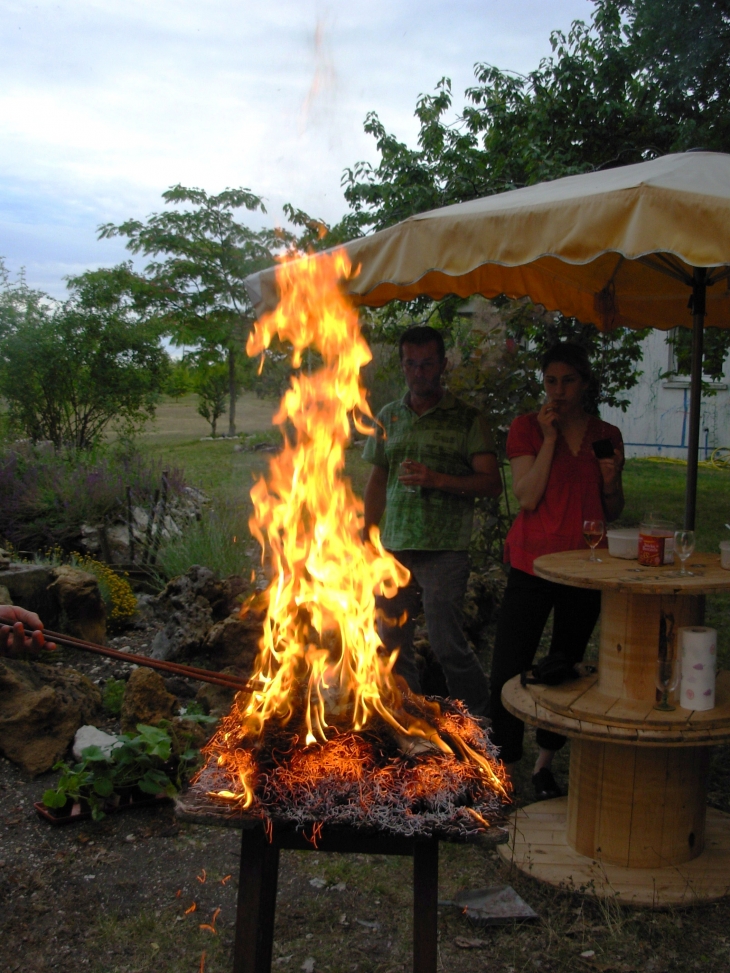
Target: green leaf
{"x": 104, "y": 786}
{"x": 94, "y": 754}
{"x": 54, "y": 798}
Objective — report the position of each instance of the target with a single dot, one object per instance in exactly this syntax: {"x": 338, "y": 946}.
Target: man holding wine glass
{"x": 566, "y": 474}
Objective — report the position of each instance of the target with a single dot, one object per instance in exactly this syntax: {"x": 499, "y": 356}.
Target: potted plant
{"x": 139, "y": 769}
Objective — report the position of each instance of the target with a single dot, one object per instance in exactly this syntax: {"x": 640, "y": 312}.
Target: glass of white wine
{"x": 593, "y": 531}
{"x": 684, "y": 545}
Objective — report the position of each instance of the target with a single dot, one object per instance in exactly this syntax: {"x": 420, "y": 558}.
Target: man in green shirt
{"x": 431, "y": 456}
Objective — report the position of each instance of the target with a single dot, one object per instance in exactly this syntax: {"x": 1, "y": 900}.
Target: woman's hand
{"x": 611, "y": 487}
{"x": 610, "y": 472}
{"x": 547, "y": 419}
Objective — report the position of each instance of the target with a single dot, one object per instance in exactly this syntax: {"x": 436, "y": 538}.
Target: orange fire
{"x": 320, "y": 655}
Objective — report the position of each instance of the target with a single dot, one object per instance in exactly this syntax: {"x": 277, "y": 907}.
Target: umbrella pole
{"x": 699, "y": 289}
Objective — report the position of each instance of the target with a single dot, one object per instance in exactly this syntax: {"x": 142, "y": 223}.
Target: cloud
{"x": 106, "y": 103}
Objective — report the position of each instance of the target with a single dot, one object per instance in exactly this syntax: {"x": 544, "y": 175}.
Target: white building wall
{"x": 656, "y": 422}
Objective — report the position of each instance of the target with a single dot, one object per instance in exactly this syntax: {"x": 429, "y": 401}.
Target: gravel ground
{"x": 131, "y": 893}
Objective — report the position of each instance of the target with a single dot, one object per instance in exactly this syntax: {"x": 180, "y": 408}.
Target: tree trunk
{"x": 231, "y": 392}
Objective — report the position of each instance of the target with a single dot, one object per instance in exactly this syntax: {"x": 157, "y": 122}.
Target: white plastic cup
{"x": 725, "y": 554}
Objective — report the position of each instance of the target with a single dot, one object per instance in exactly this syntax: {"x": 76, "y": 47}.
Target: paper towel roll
{"x": 699, "y": 667}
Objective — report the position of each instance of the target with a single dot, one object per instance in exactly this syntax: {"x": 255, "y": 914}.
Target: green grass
{"x": 220, "y": 540}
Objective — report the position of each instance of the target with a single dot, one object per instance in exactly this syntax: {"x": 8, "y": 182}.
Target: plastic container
{"x": 725, "y": 554}
{"x": 623, "y": 542}
{"x": 656, "y": 542}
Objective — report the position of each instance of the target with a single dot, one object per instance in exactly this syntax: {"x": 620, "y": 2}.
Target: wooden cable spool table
{"x": 635, "y": 822}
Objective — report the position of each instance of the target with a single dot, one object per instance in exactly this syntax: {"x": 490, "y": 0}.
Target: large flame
{"x": 320, "y": 641}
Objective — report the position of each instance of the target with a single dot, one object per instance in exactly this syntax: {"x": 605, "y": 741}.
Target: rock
{"x": 80, "y": 603}
{"x": 27, "y": 585}
{"x": 146, "y": 700}
{"x": 198, "y": 581}
{"x": 184, "y": 631}
{"x": 111, "y": 540}
{"x": 189, "y": 734}
{"x": 41, "y": 707}
{"x": 5, "y": 598}
{"x": 91, "y": 736}
{"x": 182, "y": 688}
{"x": 235, "y": 641}
{"x": 218, "y": 700}
{"x": 233, "y": 591}
{"x": 190, "y": 604}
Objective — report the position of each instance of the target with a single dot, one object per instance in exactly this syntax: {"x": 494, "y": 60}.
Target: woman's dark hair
{"x": 569, "y": 354}
{"x": 421, "y": 334}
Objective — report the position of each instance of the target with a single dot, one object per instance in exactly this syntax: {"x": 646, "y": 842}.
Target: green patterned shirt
{"x": 445, "y": 439}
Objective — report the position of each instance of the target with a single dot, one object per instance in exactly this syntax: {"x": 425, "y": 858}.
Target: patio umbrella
{"x": 637, "y": 246}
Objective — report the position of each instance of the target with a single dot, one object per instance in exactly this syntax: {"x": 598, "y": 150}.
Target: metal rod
{"x": 699, "y": 292}
{"x": 174, "y": 668}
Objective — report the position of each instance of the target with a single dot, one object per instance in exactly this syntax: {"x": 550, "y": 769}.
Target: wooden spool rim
{"x": 618, "y": 574}
{"x": 558, "y": 708}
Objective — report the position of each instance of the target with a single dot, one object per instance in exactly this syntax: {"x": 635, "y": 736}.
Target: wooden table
{"x": 635, "y": 823}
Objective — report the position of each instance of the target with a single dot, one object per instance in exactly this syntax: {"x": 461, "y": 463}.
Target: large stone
{"x": 189, "y": 605}
{"x": 91, "y": 736}
{"x": 5, "y": 598}
{"x": 184, "y": 631}
{"x": 81, "y": 606}
{"x": 218, "y": 700}
{"x": 197, "y": 582}
{"x": 146, "y": 700}
{"x": 28, "y": 587}
{"x": 41, "y": 708}
{"x": 235, "y": 642}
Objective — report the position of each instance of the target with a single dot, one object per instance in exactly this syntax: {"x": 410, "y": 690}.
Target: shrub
{"x": 68, "y": 371}
{"x": 113, "y": 696}
{"x": 46, "y": 495}
{"x": 115, "y": 589}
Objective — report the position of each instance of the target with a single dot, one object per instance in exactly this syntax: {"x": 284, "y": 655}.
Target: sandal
{"x": 545, "y": 785}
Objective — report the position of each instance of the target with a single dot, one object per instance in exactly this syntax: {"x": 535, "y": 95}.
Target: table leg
{"x": 256, "y": 909}
{"x": 425, "y": 905}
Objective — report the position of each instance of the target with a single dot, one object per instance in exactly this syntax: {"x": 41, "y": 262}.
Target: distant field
{"x": 178, "y": 419}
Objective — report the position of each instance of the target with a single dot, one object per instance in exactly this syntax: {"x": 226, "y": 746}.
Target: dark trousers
{"x": 438, "y": 582}
{"x": 527, "y": 603}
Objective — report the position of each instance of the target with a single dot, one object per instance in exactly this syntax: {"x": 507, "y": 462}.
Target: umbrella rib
{"x": 722, "y": 274}
{"x": 655, "y": 262}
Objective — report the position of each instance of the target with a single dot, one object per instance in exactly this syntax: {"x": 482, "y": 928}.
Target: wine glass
{"x": 405, "y": 470}
{"x": 684, "y": 545}
{"x": 593, "y": 532}
{"x": 667, "y": 680}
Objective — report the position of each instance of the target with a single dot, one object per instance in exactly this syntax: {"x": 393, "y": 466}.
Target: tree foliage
{"x": 211, "y": 386}
{"x": 70, "y": 370}
{"x": 202, "y": 255}
{"x": 643, "y": 78}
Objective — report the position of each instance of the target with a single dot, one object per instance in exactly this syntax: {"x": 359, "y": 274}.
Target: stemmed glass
{"x": 593, "y": 532}
{"x": 405, "y": 470}
{"x": 667, "y": 680}
{"x": 684, "y": 545}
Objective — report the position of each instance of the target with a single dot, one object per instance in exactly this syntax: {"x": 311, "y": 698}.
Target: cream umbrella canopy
{"x": 630, "y": 247}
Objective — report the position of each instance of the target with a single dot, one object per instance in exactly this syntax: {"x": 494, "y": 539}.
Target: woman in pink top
{"x": 559, "y": 483}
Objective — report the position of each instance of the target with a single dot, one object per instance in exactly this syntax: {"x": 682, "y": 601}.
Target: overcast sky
{"x": 106, "y": 103}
